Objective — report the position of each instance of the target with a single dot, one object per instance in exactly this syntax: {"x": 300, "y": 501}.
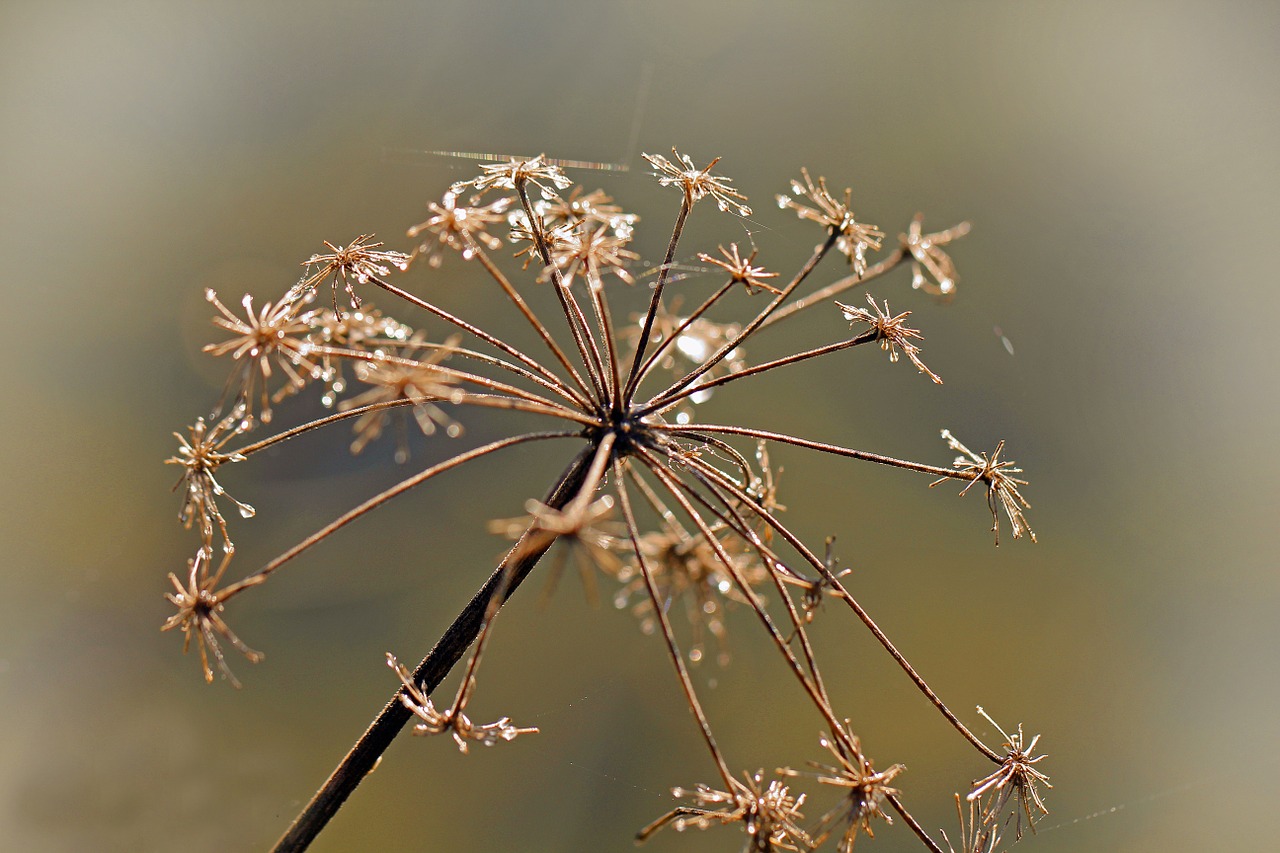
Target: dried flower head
{"x": 277, "y": 334}
{"x": 591, "y": 253}
{"x": 515, "y": 173}
{"x": 584, "y": 529}
{"x": 865, "y": 789}
{"x": 595, "y": 207}
{"x": 927, "y": 257}
{"x": 893, "y": 332}
{"x": 768, "y": 813}
{"x": 200, "y": 615}
{"x": 420, "y": 381}
{"x": 201, "y": 454}
{"x": 357, "y": 263}
{"x": 367, "y": 330}
{"x": 976, "y": 835}
{"x": 853, "y": 238}
{"x": 458, "y": 227}
{"x": 433, "y": 722}
{"x": 1016, "y": 776}
{"x": 740, "y": 270}
{"x": 698, "y": 183}
{"x": 1001, "y": 488}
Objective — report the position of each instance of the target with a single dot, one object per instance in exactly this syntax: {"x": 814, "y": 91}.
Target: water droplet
{"x": 453, "y": 430}
{"x": 247, "y": 511}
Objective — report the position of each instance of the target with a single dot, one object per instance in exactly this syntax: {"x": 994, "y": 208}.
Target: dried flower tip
{"x": 201, "y": 454}
{"x": 594, "y": 207}
{"x": 589, "y": 253}
{"x": 1016, "y": 776}
{"x": 976, "y": 835}
{"x": 697, "y": 183}
{"x": 768, "y": 814}
{"x": 815, "y": 593}
{"x": 200, "y": 615}
{"x": 1001, "y": 488}
{"x": 434, "y": 722}
{"x": 865, "y": 789}
{"x": 365, "y": 330}
{"x": 853, "y": 238}
{"x": 276, "y": 334}
{"x": 358, "y": 263}
{"x": 893, "y": 332}
{"x": 457, "y": 227}
{"x": 740, "y": 270}
{"x": 421, "y": 381}
{"x": 515, "y": 173}
{"x": 931, "y": 268}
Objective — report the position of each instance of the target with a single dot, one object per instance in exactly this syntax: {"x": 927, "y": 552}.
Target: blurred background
{"x": 1114, "y": 322}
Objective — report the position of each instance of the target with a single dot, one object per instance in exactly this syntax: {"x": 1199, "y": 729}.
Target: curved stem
{"x": 582, "y": 399}
{"x": 911, "y": 822}
{"x": 635, "y": 374}
{"x": 865, "y": 337}
{"x": 381, "y": 498}
{"x": 685, "y": 324}
{"x": 624, "y": 501}
{"x": 448, "y": 650}
{"x": 834, "y": 582}
{"x": 835, "y": 449}
{"x": 838, "y": 287}
{"x": 750, "y": 328}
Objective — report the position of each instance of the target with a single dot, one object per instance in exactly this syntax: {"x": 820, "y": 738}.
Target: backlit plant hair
{"x": 655, "y": 499}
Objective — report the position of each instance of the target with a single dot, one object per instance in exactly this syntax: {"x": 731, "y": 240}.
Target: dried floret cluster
{"x": 668, "y": 509}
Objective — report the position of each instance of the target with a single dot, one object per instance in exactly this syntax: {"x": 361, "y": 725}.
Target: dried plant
{"x": 657, "y": 499}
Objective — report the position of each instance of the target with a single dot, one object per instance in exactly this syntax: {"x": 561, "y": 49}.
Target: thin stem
{"x": 675, "y": 488}
{"x": 911, "y": 822}
{"x": 448, "y": 650}
{"x": 688, "y": 321}
{"x": 729, "y": 347}
{"x": 582, "y": 399}
{"x": 381, "y": 498}
{"x": 838, "y": 287}
{"x": 660, "y": 611}
{"x": 573, "y": 313}
{"x": 834, "y": 449}
{"x": 865, "y": 337}
{"x": 862, "y": 614}
{"x": 556, "y": 387}
{"x": 633, "y": 377}
{"x": 461, "y": 375}
{"x": 470, "y": 329}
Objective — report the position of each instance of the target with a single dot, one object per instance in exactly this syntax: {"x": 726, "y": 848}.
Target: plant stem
{"x": 448, "y": 650}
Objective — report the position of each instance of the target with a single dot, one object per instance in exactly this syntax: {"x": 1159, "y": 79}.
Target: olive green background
{"x": 1119, "y": 162}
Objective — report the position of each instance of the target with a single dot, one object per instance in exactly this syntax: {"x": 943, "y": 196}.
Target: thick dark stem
{"x": 434, "y": 667}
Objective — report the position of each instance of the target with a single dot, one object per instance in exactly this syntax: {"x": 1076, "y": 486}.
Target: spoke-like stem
{"x": 836, "y": 288}
{"x": 587, "y": 349}
{"x": 582, "y": 399}
{"x": 469, "y": 329}
{"x": 263, "y": 444}
{"x": 659, "y": 609}
{"x": 605, "y": 320}
{"x": 834, "y": 582}
{"x": 634, "y": 375}
{"x": 430, "y": 672}
{"x": 865, "y": 337}
{"x": 670, "y": 340}
{"x": 450, "y": 372}
{"x": 555, "y": 387}
{"x": 675, "y": 488}
{"x": 381, "y": 498}
{"x": 774, "y": 565}
{"x": 834, "y": 449}
{"x": 693, "y": 375}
